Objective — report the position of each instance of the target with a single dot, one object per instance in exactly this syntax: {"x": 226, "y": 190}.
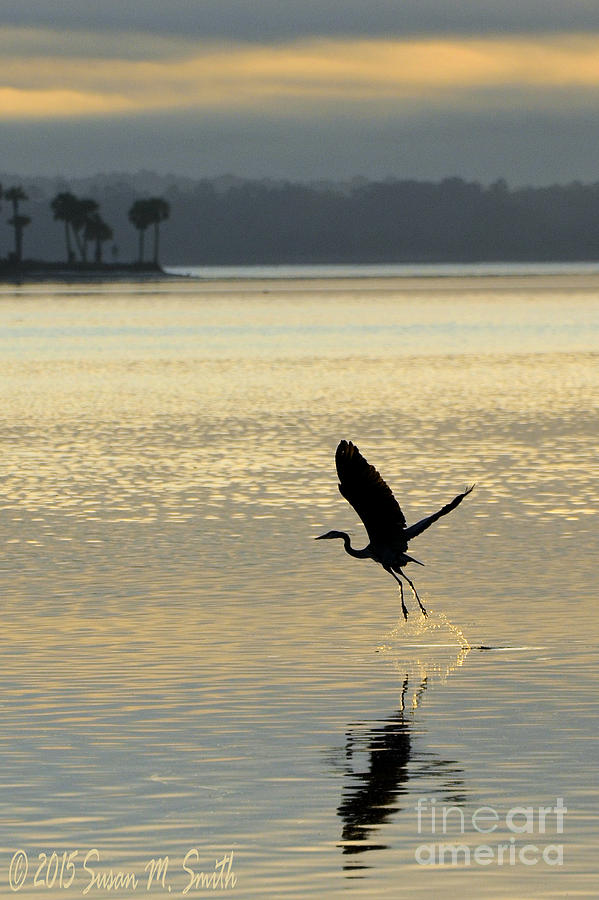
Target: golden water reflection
{"x": 178, "y": 658}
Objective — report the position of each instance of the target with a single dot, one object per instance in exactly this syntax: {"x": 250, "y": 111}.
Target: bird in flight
{"x": 385, "y": 523}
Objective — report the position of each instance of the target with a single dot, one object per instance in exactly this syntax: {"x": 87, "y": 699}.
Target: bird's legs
{"x": 403, "y": 605}
{"x": 411, "y": 583}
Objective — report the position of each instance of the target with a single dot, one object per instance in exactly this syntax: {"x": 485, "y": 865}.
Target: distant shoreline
{"x": 38, "y": 270}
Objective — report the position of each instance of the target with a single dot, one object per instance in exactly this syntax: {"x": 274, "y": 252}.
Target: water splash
{"x": 434, "y": 622}
{"x": 425, "y": 650}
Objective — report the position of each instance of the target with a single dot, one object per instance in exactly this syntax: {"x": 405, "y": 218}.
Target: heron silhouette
{"x": 385, "y": 523}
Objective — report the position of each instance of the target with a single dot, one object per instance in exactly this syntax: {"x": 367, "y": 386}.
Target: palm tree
{"x": 64, "y": 207}
{"x": 160, "y": 211}
{"x": 19, "y": 223}
{"x": 16, "y": 195}
{"x": 141, "y": 215}
{"x": 96, "y": 229}
{"x": 85, "y": 208}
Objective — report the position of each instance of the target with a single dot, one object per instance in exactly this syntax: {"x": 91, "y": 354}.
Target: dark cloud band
{"x": 266, "y": 20}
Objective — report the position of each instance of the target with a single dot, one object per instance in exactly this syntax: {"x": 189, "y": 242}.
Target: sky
{"x": 302, "y": 89}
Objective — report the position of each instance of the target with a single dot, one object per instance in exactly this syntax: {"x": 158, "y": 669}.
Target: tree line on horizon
{"x": 84, "y": 224}
{"x": 385, "y": 222}
{"x": 232, "y": 221}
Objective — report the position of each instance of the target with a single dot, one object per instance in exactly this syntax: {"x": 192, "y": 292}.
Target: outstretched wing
{"x": 414, "y": 530}
{"x": 370, "y": 496}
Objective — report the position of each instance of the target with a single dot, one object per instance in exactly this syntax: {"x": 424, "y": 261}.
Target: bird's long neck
{"x": 359, "y": 554}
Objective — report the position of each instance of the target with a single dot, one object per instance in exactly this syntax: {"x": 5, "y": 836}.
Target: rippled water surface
{"x": 186, "y": 674}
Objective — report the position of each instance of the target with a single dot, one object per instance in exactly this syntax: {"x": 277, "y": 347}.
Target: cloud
{"x": 308, "y": 76}
{"x": 57, "y": 103}
{"x": 277, "y": 20}
{"x": 19, "y": 42}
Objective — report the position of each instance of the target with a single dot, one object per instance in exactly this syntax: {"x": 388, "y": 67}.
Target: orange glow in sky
{"x": 39, "y": 83}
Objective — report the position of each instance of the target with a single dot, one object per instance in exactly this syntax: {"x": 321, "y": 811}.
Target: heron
{"x": 385, "y": 523}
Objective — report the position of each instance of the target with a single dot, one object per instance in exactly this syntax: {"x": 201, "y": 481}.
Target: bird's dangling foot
{"x": 415, "y": 592}
{"x": 403, "y": 605}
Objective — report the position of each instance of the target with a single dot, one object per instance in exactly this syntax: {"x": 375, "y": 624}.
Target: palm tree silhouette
{"x": 160, "y": 210}
{"x": 64, "y": 207}
{"x": 96, "y": 229}
{"x": 146, "y": 212}
{"x": 141, "y": 215}
{"x": 16, "y": 195}
{"x": 85, "y": 208}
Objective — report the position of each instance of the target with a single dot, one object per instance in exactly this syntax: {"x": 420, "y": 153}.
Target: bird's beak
{"x": 320, "y": 537}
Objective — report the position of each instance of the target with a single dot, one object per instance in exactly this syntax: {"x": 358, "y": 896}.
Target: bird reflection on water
{"x": 372, "y": 796}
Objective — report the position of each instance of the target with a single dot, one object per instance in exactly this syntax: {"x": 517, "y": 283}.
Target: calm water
{"x": 185, "y": 672}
